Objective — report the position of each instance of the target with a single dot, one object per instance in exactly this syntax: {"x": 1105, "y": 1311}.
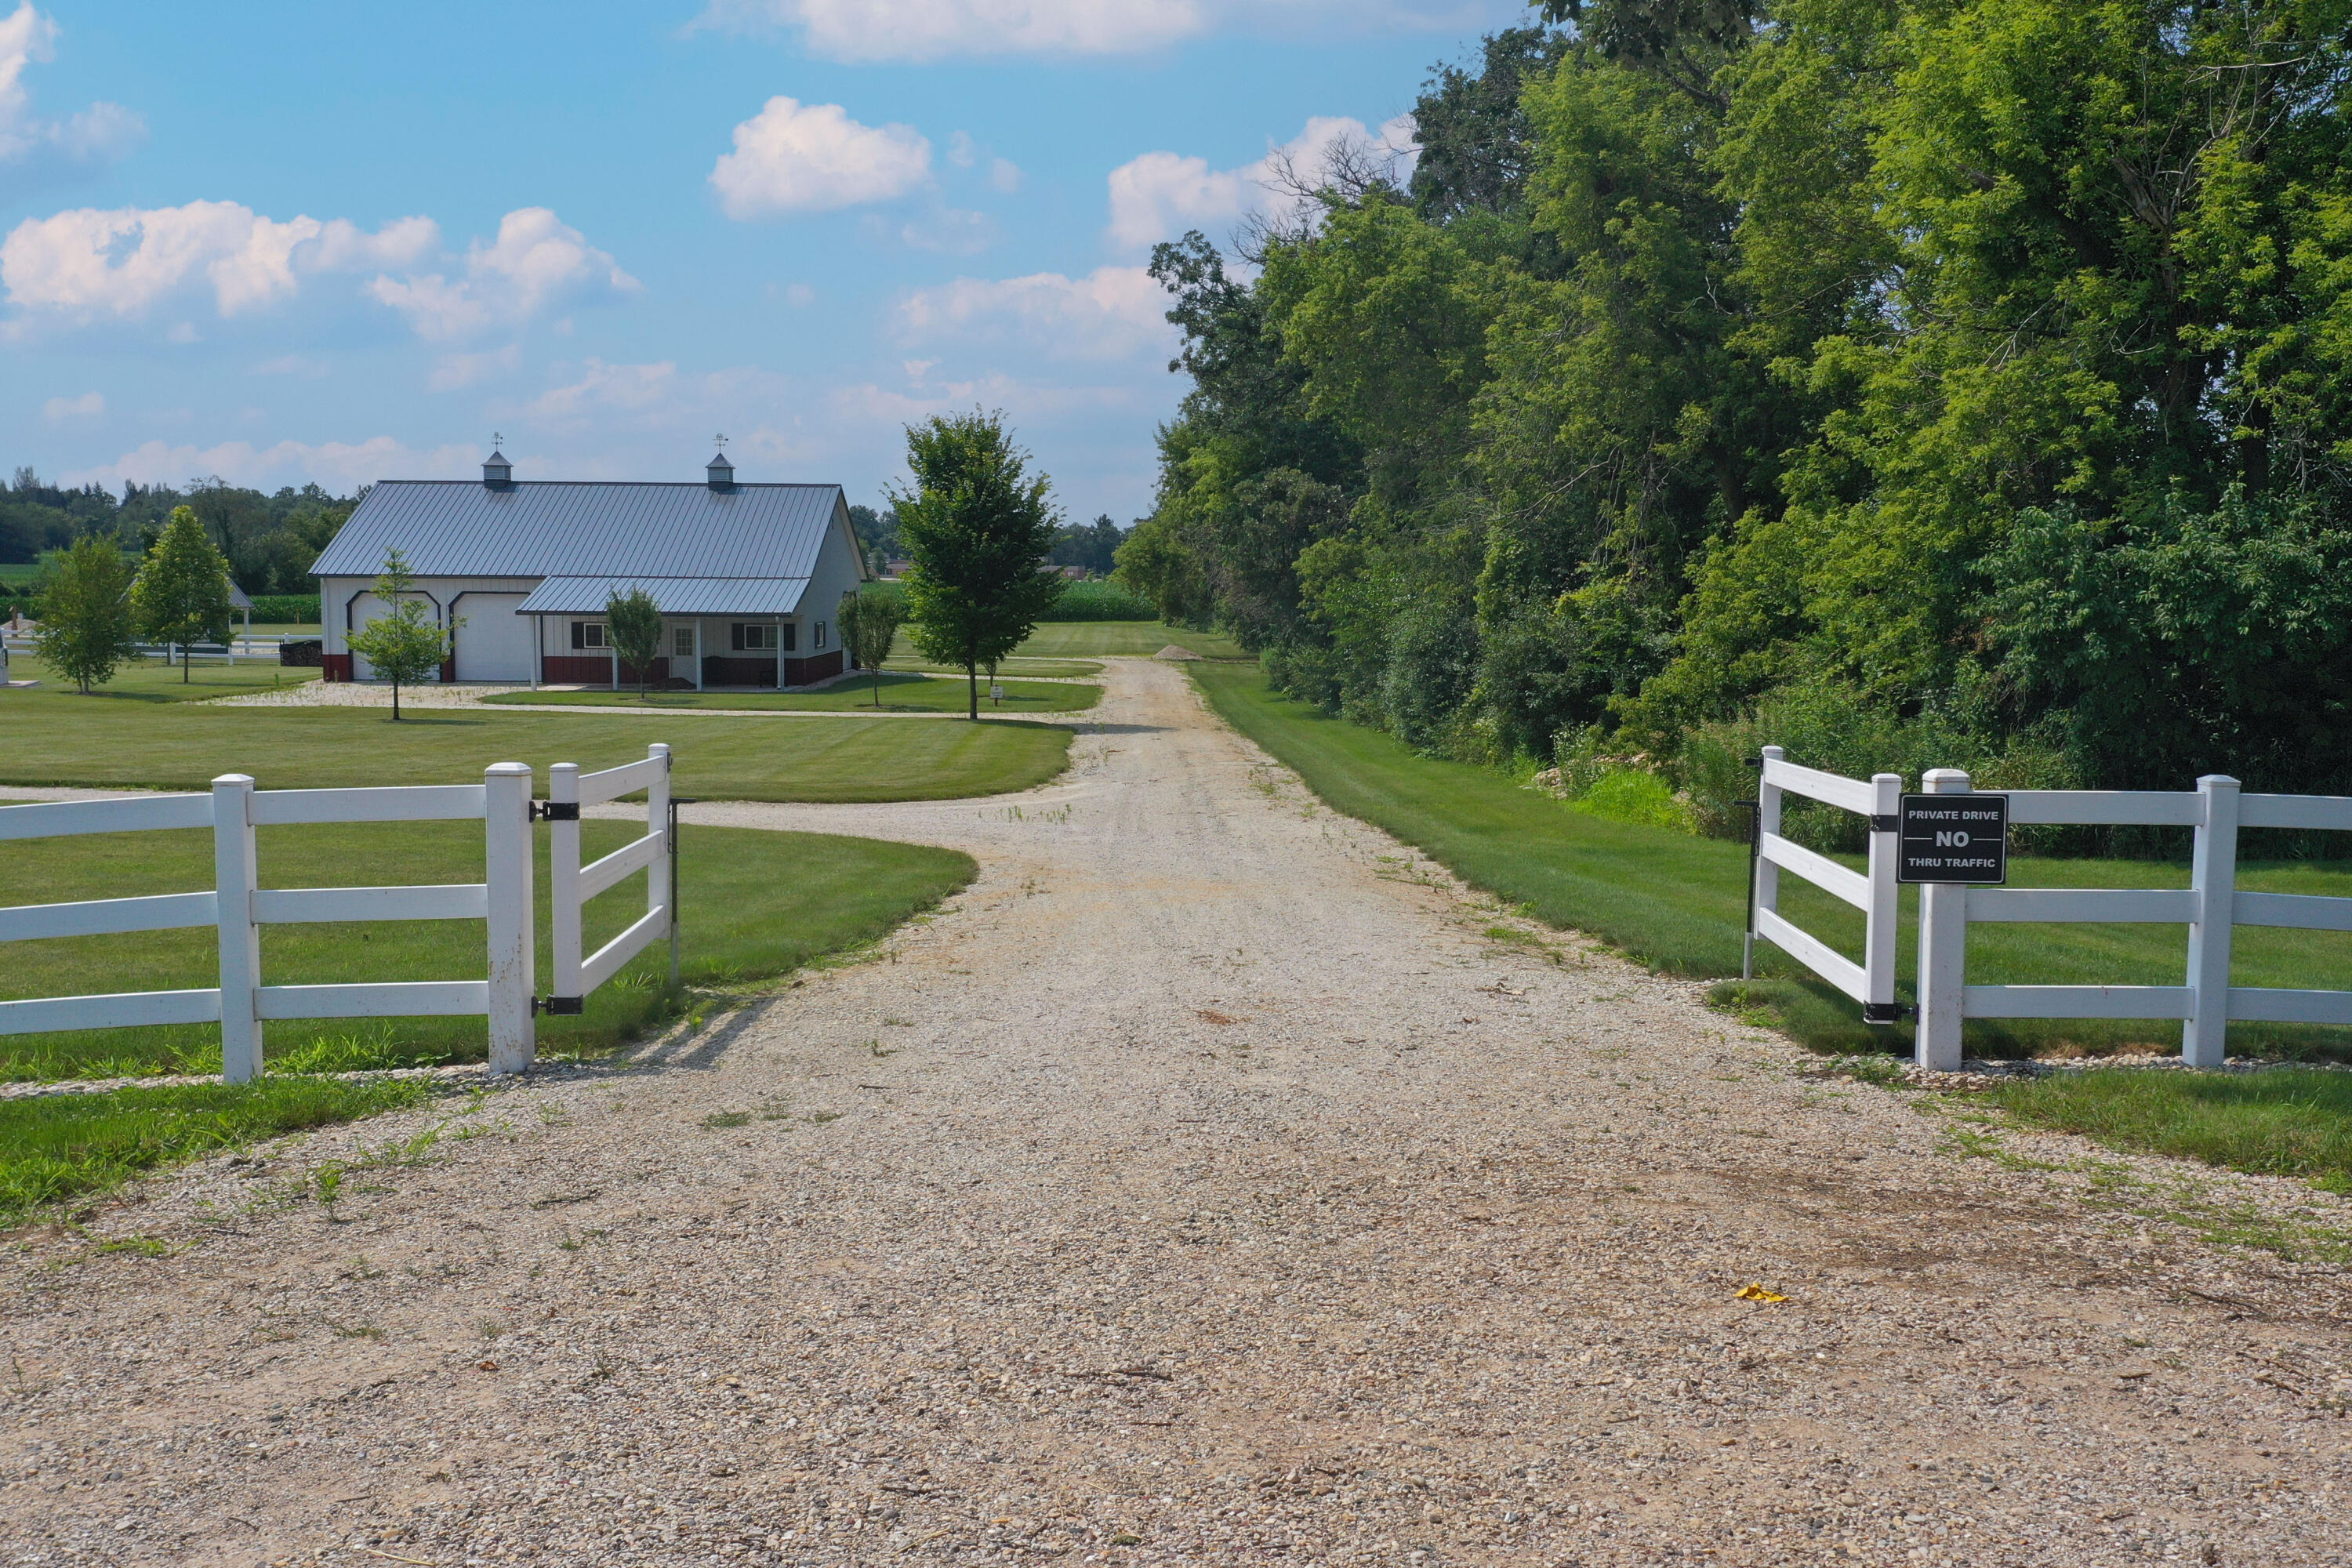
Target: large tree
{"x": 86, "y": 628}
{"x": 977, "y": 526}
{"x": 182, "y": 594}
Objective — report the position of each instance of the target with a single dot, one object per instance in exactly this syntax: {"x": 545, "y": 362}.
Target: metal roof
{"x": 676, "y": 596}
{"x": 460, "y": 527}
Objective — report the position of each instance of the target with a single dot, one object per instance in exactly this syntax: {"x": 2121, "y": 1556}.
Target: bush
{"x": 285, "y": 609}
{"x": 1100, "y": 602}
{"x": 1638, "y": 796}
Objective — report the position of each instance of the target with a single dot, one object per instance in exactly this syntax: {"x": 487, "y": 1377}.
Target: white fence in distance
{"x": 238, "y": 907}
{"x": 2210, "y": 906}
{"x": 570, "y": 885}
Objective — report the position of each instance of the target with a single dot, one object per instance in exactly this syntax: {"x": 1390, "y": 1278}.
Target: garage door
{"x": 364, "y": 609}
{"x": 493, "y": 642}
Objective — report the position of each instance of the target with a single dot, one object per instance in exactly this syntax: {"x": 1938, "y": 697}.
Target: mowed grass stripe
{"x": 894, "y": 693}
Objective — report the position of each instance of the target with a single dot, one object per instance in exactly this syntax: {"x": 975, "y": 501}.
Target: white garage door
{"x": 493, "y": 642}
{"x": 364, "y": 608}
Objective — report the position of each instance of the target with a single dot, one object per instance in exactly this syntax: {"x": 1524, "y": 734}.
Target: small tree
{"x": 869, "y": 624}
{"x": 976, "y": 528}
{"x": 182, "y": 594}
{"x": 85, "y": 626}
{"x": 401, "y": 643}
{"x": 634, "y": 623}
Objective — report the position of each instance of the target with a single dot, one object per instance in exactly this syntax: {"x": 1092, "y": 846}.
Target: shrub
{"x": 287, "y": 609}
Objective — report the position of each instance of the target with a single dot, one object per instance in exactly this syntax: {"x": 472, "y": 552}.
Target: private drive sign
{"x": 1954, "y": 838}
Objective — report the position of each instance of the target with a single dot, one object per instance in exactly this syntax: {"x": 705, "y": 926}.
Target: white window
{"x": 588, "y": 634}
{"x": 751, "y": 637}
{"x": 681, "y": 642}
{"x": 818, "y": 640}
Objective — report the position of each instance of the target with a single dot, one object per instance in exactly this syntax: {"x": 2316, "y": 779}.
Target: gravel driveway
{"x": 1214, "y": 1182}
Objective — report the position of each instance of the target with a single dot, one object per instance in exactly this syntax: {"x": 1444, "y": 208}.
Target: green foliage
{"x": 2283, "y": 1122}
{"x": 869, "y": 625}
{"x": 1638, "y": 796}
{"x": 1093, "y": 549}
{"x": 1979, "y": 370}
{"x": 634, "y": 624}
{"x": 285, "y": 609}
{"x": 1098, "y": 602}
{"x": 86, "y": 628}
{"x": 181, "y": 594}
{"x": 404, "y": 645}
{"x": 976, "y": 525}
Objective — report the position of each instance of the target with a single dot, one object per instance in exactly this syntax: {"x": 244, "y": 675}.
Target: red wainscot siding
{"x": 720, "y": 670}
{"x": 334, "y": 666}
{"x": 809, "y": 671}
{"x": 595, "y": 669}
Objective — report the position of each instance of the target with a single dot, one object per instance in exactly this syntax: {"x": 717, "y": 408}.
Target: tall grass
{"x": 2288, "y": 1122}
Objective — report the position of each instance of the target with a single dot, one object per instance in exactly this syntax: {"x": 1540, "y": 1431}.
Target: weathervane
{"x": 497, "y": 439}
{"x": 722, "y": 442}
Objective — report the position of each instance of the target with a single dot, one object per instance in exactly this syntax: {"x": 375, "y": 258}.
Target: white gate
{"x": 1871, "y": 981}
{"x": 571, "y": 884}
{"x": 238, "y": 908}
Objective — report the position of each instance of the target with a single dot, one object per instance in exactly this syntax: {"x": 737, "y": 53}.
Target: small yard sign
{"x": 1954, "y": 838}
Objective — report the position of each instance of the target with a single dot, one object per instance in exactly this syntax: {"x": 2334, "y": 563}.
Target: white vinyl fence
{"x": 570, "y": 885}
{"x": 238, "y": 907}
{"x": 1871, "y": 981}
{"x": 2210, "y": 906}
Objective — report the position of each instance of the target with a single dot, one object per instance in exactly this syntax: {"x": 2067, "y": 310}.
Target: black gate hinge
{"x": 1885, "y": 1012}
{"x": 559, "y": 1006}
{"x": 555, "y": 811}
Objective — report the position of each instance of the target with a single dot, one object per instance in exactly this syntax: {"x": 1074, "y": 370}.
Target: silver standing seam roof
{"x": 743, "y": 546}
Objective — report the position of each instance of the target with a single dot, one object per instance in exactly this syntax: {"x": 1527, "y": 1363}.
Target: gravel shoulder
{"x": 1215, "y": 1182}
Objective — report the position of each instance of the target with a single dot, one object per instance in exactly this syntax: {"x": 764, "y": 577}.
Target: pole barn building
{"x": 749, "y": 577}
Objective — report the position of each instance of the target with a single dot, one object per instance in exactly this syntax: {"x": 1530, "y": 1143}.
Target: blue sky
{"x": 281, "y": 242}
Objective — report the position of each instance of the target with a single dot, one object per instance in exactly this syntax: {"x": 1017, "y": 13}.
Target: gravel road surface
{"x": 1216, "y": 1182}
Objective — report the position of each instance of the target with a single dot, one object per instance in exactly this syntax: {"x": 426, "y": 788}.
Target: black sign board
{"x": 1954, "y": 838}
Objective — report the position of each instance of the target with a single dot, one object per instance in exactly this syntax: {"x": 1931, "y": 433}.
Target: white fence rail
{"x": 1871, "y": 981}
{"x": 2210, "y": 906}
{"x": 570, "y": 885}
{"x": 238, "y": 907}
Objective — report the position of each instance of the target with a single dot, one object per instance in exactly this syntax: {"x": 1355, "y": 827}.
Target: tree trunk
{"x": 395, "y": 703}
{"x": 183, "y": 663}
{"x": 972, "y": 673}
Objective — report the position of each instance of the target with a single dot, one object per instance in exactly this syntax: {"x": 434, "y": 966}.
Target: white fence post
{"x": 563, "y": 885}
{"x": 236, "y": 875}
{"x": 1943, "y": 952}
{"x": 1878, "y": 943}
{"x": 659, "y": 890}
{"x": 2213, "y": 880}
{"x": 1768, "y": 820}
{"x": 506, "y": 868}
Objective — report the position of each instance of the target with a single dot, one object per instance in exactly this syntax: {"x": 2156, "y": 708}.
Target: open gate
{"x": 570, "y": 885}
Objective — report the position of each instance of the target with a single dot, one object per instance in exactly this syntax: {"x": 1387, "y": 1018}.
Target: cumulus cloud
{"x": 794, "y": 157}
{"x": 1160, "y": 194}
{"x": 934, "y": 29}
{"x": 600, "y": 388}
{"x": 97, "y": 135}
{"x": 67, "y": 410}
{"x": 537, "y": 263}
{"x": 1112, "y": 313}
{"x": 88, "y": 263}
{"x": 340, "y": 466}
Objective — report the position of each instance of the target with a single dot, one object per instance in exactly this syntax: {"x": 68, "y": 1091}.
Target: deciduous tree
{"x": 404, "y": 645}
{"x": 85, "y": 627}
{"x": 181, "y": 592}
{"x": 634, "y": 623}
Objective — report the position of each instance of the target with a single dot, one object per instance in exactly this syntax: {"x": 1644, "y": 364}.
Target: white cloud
{"x": 87, "y": 264}
{"x": 1110, "y": 313}
{"x": 950, "y": 231}
{"x": 1160, "y": 194}
{"x": 62, "y": 410}
{"x": 795, "y": 157}
{"x": 98, "y": 134}
{"x": 1004, "y": 174}
{"x": 799, "y": 296}
{"x": 340, "y": 466}
{"x": 536, "y": 263}
{"x": 601, "y": 388}
{"x": 934, "y": 29}
{"x": 451, "y": 372}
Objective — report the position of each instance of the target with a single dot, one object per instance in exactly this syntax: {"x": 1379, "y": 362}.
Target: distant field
{"x": 899, "y": 694}
{"x": 1081, "y": 639}
{"x": 54, "y": 736}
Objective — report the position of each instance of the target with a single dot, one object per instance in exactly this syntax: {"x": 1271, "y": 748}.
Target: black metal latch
{"x": 555, "y": 811}
{"x": 1886, "y": 1012}
{"x": 563, "y": 1006}
{"x": 1886, "y": 824}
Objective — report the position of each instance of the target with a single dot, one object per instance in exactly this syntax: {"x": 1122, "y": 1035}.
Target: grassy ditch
{"x": 54, "y": 736}
{"x": 62, "y": 1146}
{"x": 896, "y": 694}
{"x": 1675, "y": 903}
{"x": 753, "y": 905}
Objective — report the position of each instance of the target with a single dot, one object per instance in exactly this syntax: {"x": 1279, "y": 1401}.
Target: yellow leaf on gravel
{"x": 1757, "y": 1293}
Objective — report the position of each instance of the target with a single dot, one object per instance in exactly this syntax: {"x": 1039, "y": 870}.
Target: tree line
{"x": 268, "y": 539}
{"x": 1908, "y": 382}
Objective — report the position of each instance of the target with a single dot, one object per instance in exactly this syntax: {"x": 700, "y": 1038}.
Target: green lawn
{"x": 150, "y": 680}
{"x": 899, "y": 694}
{"x": 2288, "y": 1122}
{"x": 753, "y": 903}
{"x": 50, "y": 736}
{"x": 1675, "y": 903}
{"x": 69, "y": 1145}
{"x": 907, "y": 659}
{"x": 1084, "y": 640}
